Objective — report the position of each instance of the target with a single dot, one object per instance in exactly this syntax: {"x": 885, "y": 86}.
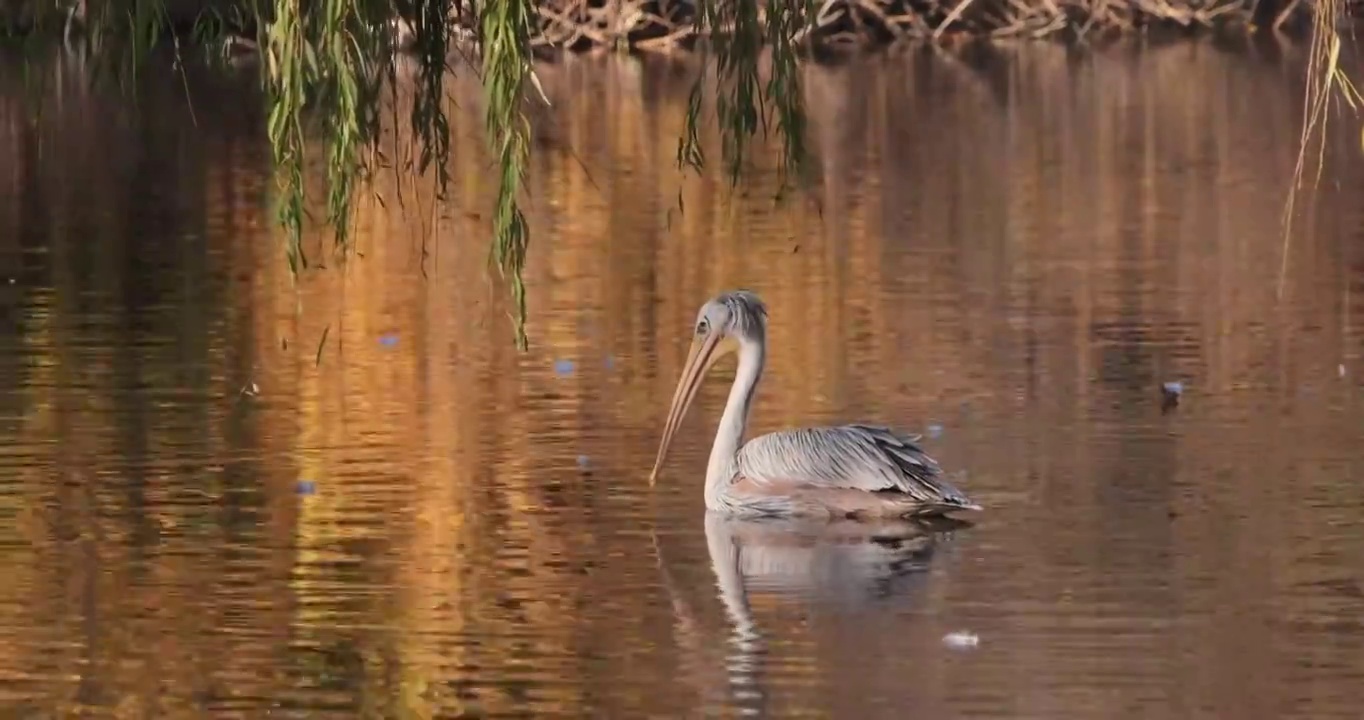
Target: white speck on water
{"x": 1340, "y": 369}
{"x": 961, "y": 639}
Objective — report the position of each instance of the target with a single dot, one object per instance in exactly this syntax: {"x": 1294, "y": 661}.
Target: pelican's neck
{"x": 724, "y": 454}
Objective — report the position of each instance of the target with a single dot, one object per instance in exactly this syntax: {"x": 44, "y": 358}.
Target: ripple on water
{"x": 408, "y": 518}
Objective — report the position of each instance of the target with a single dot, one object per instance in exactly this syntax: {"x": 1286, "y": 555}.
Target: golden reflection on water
{"x": 353, "y": 497}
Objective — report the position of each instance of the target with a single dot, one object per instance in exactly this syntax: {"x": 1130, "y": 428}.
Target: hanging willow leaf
{"x": 327, "y": 57}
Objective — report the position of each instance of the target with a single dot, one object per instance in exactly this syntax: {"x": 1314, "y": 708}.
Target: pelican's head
{"x": 725, "y": 323}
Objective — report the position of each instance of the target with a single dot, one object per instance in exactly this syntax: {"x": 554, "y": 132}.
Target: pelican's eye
{"x": 703, "y": 327}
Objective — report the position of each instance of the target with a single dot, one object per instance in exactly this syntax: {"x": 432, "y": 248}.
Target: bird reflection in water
{"x": 846, "y": 565}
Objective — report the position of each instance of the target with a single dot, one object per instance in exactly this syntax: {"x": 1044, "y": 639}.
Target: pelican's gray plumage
{"x": 844, "y": 470}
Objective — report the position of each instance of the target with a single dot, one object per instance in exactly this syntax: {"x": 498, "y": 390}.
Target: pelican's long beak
{"x": 704, "y": 352}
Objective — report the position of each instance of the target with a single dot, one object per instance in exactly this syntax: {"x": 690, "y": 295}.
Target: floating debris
{"x": 1170, "y": 393}
{"x": 582, "y": 461}
{"x": 564, "y": 367}
{"x": 610, "y": 363}
{"x": 934, "y": 431}
{"x": 306, "y": 487}
{"x": 249, "y": 390}
{"x": 388, "y": 340}
{"x": 961, "y": 639}
{"x": 1340, "y": 370}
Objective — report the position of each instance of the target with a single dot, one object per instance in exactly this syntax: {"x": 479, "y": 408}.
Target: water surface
{"x": 227, "y": 495}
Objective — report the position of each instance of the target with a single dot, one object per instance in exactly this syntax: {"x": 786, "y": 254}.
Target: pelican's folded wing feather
{"x": 851, "y": 457}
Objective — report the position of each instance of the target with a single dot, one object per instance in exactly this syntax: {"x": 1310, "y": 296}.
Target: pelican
{"x": 854, "y": 471}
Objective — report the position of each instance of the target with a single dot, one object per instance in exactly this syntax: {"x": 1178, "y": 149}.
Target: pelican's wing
{"x": 850, "y": 457}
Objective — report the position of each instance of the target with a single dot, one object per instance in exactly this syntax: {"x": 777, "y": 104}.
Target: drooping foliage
{"x": 325, "y": 63}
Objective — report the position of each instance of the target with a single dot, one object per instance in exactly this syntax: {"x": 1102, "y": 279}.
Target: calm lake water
{"x": 226, "y": 495}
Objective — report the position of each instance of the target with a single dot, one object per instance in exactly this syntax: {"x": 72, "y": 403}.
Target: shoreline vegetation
{"x": 324, "y": 69}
